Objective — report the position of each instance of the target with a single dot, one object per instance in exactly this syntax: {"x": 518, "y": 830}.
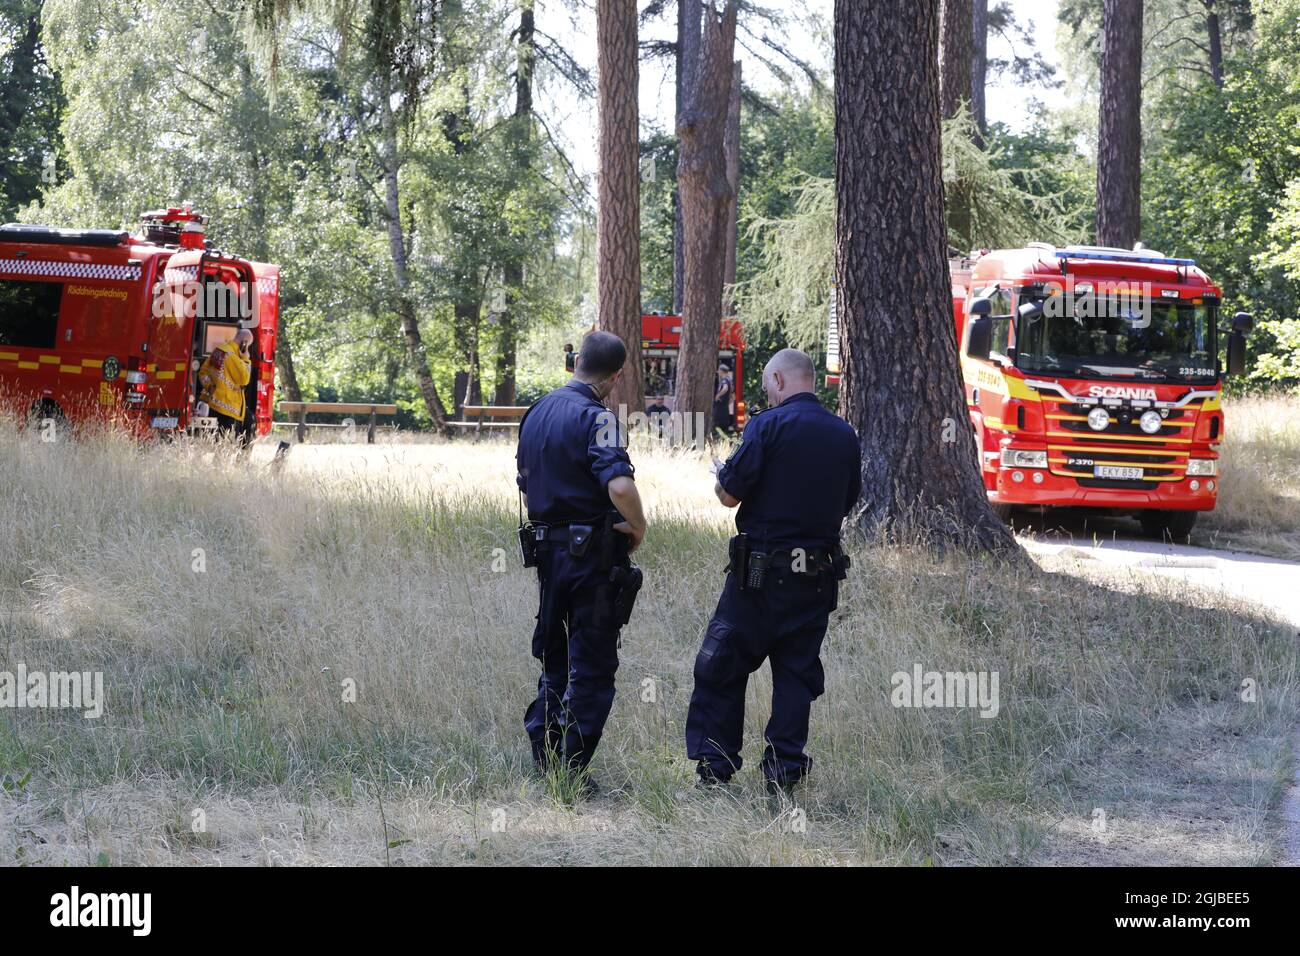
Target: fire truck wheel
{"x": 1168, "y": 525}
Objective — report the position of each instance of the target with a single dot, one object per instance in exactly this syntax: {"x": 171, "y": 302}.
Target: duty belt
{"x": 557, "y": 533}
{"x": 750, "y": 563}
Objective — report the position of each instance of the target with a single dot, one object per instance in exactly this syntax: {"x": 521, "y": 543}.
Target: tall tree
{"x": 979, "y": 67}
{"x": 733, "y": 178}
{"x": 706, "y": 206}
{"x": 955, "y": 70}
{"x": 618, "y": 214}
{"x": 1215, "y": 37}
{"x": 392, "y": 49}
{"x": 521, "y": 135}
{"x": 901, "y": 387}
{"x": 1119, "y": 129}
{"x": 687, "y": 61}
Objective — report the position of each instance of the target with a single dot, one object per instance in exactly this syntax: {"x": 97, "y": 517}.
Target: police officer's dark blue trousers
{"x": 784, "y": 623}
{"x": 577, "y": 643}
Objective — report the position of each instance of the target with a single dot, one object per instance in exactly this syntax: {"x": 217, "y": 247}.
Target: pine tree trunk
{"x": 1119, "y": 130}
{"x": 688, "y": 64}
{"x": 979, "y": 65}
{"x": 733, "y": 179}
{"x": 955, "y": 55}
{"x": 706, "y": 206}
{"x": 955, "y": 66}
{"x": 513, "y": 270}
{"x": 901, "y": 388}
{"x": 619, "y": 195}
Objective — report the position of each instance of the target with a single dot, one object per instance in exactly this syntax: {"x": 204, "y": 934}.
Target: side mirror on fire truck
{"x": 1030, "y": 311}
{"x": 1242, "y": 323}
{"x": 979, "y": 329}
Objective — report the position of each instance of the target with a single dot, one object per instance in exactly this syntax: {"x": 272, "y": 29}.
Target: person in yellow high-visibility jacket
{"x": 222, "y": 378}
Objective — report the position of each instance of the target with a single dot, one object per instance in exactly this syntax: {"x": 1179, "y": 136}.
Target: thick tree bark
{"x": 688, "y": 65}
{"x": 1215, "y": 30}
{"x": 733, "y": 179}
{"x": 955, "y": 66}
{"x": 955, "y": 59}
{"x": 901, "y": 388}
{"x": 1119, "y": 130}
{"x": 979, "y": 67}
{"x": 618, "y": 275}
{"x": 513, "y": 270}
{"x": 706, "y": 206}
{"x": 404, "y": 305}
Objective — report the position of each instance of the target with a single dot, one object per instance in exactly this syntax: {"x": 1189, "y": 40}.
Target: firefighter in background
{"x": 584, "y": 519}
{"x": 222, "y": 379}
{"x": 722, "y": 418}
{"x": 794, "y": 476}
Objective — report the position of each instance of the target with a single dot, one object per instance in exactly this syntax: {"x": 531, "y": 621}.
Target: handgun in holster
{"x": 625, "y": 578}
{"x": 527, "y": 537}
{"x": 528, "y": 545}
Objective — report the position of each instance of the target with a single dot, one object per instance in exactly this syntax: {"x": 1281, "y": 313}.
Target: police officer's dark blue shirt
{"x": 569, "y": 450}
{"x": 797, "y": 473}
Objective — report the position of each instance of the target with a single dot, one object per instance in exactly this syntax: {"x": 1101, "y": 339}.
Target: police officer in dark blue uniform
{"x": 795, "y": 475}
{"x": 585, "y": 518}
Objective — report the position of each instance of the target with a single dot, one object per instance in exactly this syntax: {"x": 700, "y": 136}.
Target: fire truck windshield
{"x": 1160, "y": 339}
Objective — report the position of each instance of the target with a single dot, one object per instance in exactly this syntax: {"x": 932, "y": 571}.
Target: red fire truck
{"x": 100, "y": 324}
{"x": 1093, "y": 379}
{"x": 661, "y": 337}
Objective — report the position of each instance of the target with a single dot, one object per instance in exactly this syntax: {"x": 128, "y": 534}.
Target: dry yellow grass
{"x": 1259, "y": 501}
{"x": 395, "y": 567}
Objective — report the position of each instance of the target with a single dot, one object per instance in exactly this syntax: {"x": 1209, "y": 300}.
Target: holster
{"x": 528, "y": 545}
{"x": 626, "y": 583}
{"x": 749, "y": 566}
{"x": 840, "y": 562}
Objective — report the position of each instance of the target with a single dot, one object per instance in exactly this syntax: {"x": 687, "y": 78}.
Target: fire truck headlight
{"x": 1098, "y": 419}
{"x": 1203, "y": 466}
{"x": 1023, "y": 458}
{"x": 1150, "y": 422}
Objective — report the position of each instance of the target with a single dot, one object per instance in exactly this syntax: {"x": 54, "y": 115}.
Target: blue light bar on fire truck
{"x": 1121, "y": 257}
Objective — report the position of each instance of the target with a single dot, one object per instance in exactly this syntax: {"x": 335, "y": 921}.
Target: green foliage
{"x": 290, "y": 167}
{"x": 1223, "y": 180}
{"x": 31, "y": 101}
{"x": 1023, "y": 190}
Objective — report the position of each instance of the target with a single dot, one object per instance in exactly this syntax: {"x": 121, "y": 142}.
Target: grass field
{"x": 1259, "y": 501}
{"x": 229, "y": 608}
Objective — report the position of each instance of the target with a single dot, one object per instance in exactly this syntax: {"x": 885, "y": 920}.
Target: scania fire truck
{"x": 1093, "y": 379}
{"x": 101, "y": 324}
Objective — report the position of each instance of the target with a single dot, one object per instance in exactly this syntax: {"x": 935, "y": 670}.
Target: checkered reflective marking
{"x": 183, "y": 274}
{"x": 71, "y": 270}
{"x": 268, "y": 284}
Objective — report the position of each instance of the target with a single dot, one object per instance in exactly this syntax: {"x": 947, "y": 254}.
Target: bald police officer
{"x": 794, "y": 476}
{"x": 585, "y": 518}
